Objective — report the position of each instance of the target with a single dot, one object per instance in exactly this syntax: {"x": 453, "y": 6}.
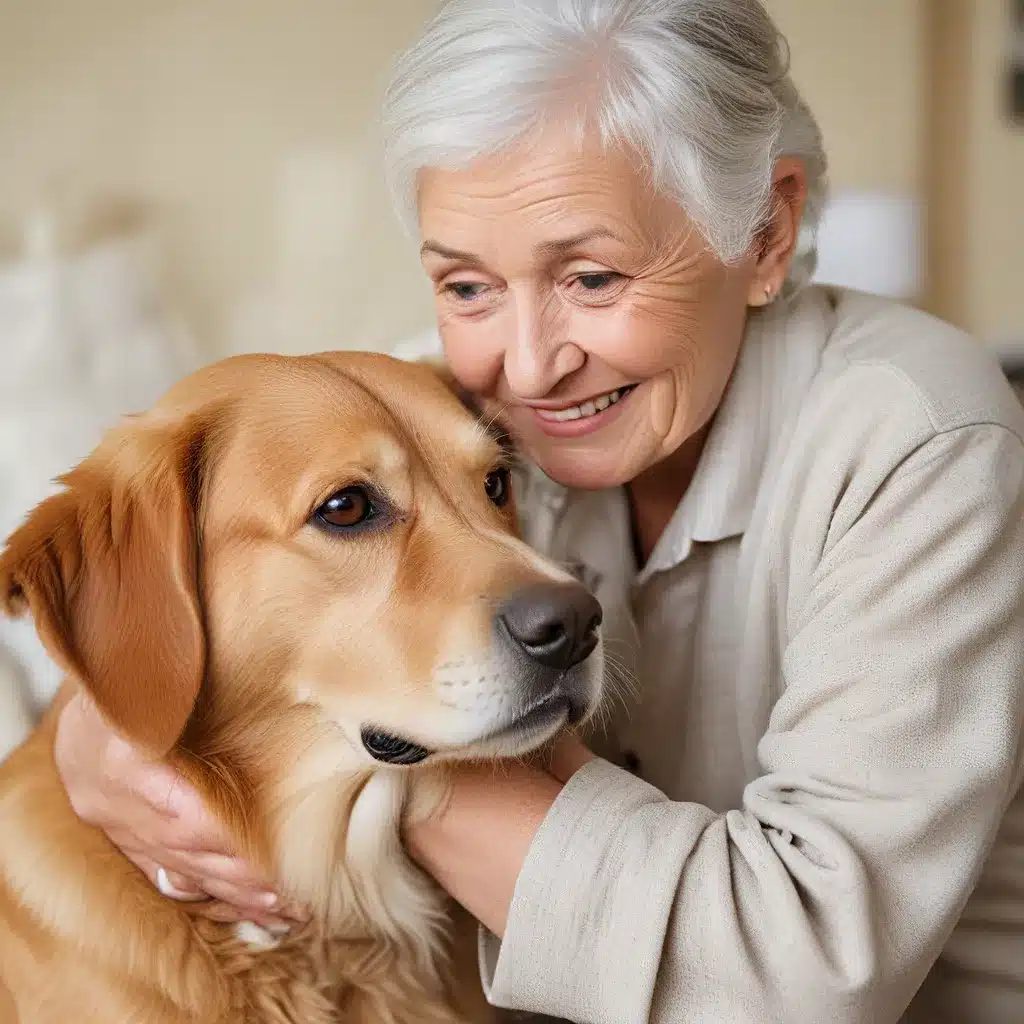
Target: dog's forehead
{"x": 310, "y": 414}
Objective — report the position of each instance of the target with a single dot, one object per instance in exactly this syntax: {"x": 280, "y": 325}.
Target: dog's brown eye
{"x": 498, "y": 486}
{"x": 348, "y": 507}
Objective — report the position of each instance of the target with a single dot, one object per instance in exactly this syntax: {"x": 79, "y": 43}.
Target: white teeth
{"x": 579, "y": 412}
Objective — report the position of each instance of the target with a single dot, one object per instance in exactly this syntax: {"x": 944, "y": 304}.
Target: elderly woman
{"x": 802, "y": 510}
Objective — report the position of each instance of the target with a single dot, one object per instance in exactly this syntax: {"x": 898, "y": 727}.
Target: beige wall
{"x": 910, "y": 98}
{"x": 248, "y": 127}
{"x": 977, "y": 175}
{"x": 861, "y": 66}
{"x": 993, "y": 266}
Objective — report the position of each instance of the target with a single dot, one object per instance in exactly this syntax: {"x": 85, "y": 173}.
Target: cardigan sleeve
{"x": 886, "y": 767}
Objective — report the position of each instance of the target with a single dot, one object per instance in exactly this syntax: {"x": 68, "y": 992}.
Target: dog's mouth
{"x": 539, "y": 717}
{"x": 390, "y": 749}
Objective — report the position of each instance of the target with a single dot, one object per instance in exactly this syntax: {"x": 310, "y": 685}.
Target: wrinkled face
{"x": 582, "y": 306}
{"x": 358, "y": 546}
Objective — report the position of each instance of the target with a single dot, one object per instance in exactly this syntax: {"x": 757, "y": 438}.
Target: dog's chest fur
{"x": 309, "y": 978}
{"x": 83, "y": 936}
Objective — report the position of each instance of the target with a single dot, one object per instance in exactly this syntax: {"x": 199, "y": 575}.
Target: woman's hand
{"x": 158, "y": 821}
{"x": 476, "y": 843}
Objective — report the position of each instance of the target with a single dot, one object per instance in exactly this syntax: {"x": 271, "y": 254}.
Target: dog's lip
{"x": 540, "y": 713}
{"x": 390, "y": 748}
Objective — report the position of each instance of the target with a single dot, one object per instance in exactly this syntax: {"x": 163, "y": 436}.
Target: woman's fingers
{"x": 262, "y": 902}
{"x": 252, "y": 905}
{"x": 225, "y": 913}
{"x": 170, "y": 883}
{"x": 227, "y": 879}
{"x": 186, "y": 820}
{"x": 195, "y": 869}
{"x": 158, "y": 820}
{"x": 222, "y": 901}
{"x": 231, "y": 871}
{"x": 178, "y": 887}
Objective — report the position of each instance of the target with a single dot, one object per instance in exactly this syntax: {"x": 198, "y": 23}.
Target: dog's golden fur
{"x": 181, "y": 578}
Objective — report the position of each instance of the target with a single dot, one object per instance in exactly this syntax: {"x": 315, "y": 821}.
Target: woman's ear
{"x": 108, "y": 569}
{"x": 777, "y": 241}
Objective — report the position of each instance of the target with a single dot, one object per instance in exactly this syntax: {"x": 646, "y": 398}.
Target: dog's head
{"x": 318, "y": 539}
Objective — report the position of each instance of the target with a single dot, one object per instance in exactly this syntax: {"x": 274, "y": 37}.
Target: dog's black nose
{"x": 554, "y": 623}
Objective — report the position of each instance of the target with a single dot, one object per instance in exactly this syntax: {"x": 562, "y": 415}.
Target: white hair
{"x": 700, "y": 88}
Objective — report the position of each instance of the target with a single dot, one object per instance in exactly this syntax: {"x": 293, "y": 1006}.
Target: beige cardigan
{"x": 828, "y": 644}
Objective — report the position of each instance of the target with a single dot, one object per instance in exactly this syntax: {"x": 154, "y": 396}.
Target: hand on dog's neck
{"x": 305, "y": 808}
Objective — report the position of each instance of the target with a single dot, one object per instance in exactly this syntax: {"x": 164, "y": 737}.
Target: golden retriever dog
{"x": 297, "y": 581}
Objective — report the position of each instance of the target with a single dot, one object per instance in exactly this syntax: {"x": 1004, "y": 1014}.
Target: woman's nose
{"x": 539, "y": 353}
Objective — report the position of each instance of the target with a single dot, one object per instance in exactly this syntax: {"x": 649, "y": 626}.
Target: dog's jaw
{"x": 337, "y": 845}
{"x": 324, "y": 821}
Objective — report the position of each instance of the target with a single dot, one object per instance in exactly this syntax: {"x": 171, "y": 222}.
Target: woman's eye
{"x": 465, "y": 291}
{"x": 347, "y": 508}
{"x": 595, "y": 282}
{"x": 498, "y": 486}
{"x": 597, "y": 285}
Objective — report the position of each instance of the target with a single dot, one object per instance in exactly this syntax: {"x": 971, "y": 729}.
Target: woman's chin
{"x": 587, "y": 471}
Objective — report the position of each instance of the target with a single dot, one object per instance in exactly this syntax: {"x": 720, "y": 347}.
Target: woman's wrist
{"x": 476, "y": 844}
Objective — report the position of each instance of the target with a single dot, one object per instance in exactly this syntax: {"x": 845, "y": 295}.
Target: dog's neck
{"x": 327, "y": 828}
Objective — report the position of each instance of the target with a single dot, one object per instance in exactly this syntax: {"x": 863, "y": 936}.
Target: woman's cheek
{"x": 618, "y": 338}
{"x": 475, "y": 363}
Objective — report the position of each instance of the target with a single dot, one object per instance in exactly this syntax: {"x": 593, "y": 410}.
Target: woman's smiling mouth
{"x": 575, "y": 420}
{"x": 591, "y": 407}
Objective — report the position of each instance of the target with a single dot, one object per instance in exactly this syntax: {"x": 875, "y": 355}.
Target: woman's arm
{"x": 887, "y": 766}
{"x": 475, "y": 846}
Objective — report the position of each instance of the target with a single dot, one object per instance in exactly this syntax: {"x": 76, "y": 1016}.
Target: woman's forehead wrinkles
{"x": 537, "y": 204}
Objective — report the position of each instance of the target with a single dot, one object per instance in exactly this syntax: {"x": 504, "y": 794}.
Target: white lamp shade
{"x": 872, "y": 242}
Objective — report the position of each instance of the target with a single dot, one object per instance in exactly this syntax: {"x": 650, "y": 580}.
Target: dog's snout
{"x": 555, "y": 624}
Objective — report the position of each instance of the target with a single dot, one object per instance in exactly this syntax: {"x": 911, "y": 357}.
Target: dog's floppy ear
{"x": 493, "y": 425}
{"x": 439, "y": 365}
{"x": 108, "y": 568}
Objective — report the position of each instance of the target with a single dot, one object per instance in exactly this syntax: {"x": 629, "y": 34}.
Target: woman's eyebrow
{"x": 450, "y": 254}
{"x": 553, "y": 248}
{"x": 560, "y": 246}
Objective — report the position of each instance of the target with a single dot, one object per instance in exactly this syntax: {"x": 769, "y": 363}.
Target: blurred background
{"x": 243, "y": 132}
{"x": 183, "y": 179}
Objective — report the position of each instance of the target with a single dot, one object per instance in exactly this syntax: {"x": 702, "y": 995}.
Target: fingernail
{"x": 278, "y": 928}
{"x": 268, "y": 900}
{"x": 167, "y": 887}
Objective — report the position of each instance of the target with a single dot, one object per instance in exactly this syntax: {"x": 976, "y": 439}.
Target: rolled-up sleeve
{"x": 890, "y": 756}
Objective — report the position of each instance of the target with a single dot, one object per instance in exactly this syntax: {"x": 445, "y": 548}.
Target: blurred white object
{"x": 84, "y": 338}
{"x": 16, "y": 712}
{"x": 872, "y": 242}
{"x": 420, "y": 346}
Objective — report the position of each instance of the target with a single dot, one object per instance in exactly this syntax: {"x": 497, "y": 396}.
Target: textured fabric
{"x": 825, "y": 736}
